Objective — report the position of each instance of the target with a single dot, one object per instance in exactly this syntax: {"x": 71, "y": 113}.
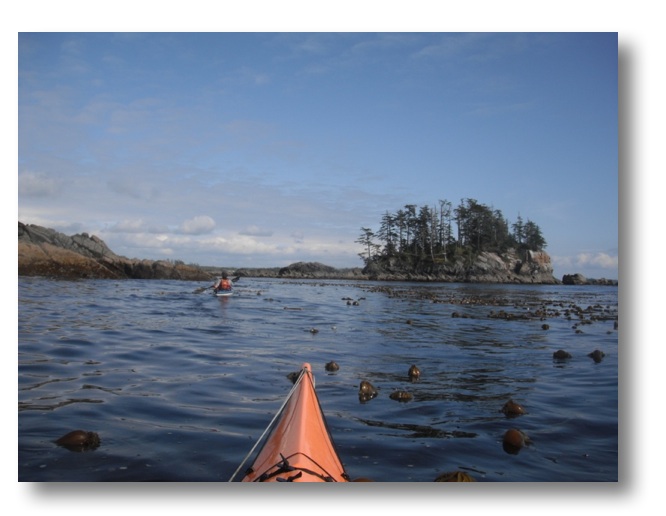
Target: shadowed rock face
{"x": 529, "y": 267}
{"x": 579, "y": 279}
{"x": 512, "y": 267}
{"x": 46, "y": 252}
{"x": 82, "y": 244}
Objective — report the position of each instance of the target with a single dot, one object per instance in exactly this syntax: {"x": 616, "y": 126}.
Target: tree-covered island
{"x": 445, "y": 240}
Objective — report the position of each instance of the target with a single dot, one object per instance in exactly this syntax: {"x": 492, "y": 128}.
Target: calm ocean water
{"x": 179, "y": 386}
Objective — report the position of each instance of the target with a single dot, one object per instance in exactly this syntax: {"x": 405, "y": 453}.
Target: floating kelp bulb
{"x": 414, "y": 373}
{"x": 454, "y": 476}
{"x": 511, "y": 408}
{"x": 314, "y": 330}
{"x": 79, "y": 440}
{"x": 561, "y": 354}
{"x": 366, "y": 387}
{"x": 597, "y": 355}
{"x": 401, "y": 396}
{"x": 332, "y": 366}
{"x": 514, "y": 440}
{"x": 366, "y": 391}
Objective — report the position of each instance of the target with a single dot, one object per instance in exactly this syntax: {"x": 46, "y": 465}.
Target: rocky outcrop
{"x": 82, "y": 244}
{"x": 306, "y": 269}
{"x": 579, "y": 279}
{"x": 46, "y": 252}
{"x": 574, "y": 279}
{"x": 512, "y": 267}
{"x": 298, "y": 270}
{"x": 316, "y": 270}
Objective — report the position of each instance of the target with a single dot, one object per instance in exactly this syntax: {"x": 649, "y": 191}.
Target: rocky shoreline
{"x": 46, "y": 252}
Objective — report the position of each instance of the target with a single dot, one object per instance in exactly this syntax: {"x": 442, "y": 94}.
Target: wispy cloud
{"x": 135, "y": 226}
{"x": 600, "y": 262}
{"x": 136, "y": 189}
{"x": 447, "y": 46}
{"x": 31, "y": 184}
{"x": 256, "y": 231}
{"x": 199, "y": 225}
{"x": 499, "y": 109}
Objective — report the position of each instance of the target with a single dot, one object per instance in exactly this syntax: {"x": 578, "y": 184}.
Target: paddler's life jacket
{"x": 225, "y": 284}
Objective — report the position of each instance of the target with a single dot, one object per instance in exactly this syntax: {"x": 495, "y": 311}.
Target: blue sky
{"x": 263, "y": 149}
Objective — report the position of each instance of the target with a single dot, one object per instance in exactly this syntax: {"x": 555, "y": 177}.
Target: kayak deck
{"x": 300, "y": 447}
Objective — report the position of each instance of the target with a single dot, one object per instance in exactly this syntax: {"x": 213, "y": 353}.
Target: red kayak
{"x": 299, "y": 448}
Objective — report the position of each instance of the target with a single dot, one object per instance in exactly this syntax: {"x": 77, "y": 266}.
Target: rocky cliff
{"x": 46, "y": 252}
{"x": 512, "y": 267}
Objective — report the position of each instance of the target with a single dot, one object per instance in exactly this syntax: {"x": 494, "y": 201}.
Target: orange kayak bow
{"x": 300, "y": 447}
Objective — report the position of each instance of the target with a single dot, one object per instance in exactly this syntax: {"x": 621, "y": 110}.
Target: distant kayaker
{"x": 224, "y": 283}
